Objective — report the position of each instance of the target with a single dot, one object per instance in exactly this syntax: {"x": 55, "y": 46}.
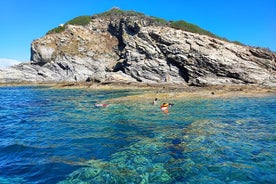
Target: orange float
{"x": 164, "y": 106}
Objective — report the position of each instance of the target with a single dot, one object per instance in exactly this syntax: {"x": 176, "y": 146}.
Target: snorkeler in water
{"x": 171, "y": 104}
{"x": 165, "y": 107}
{"x": 154, "y": 101}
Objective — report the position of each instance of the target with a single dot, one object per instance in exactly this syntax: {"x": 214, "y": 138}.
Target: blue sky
{"x": 252, "y": 22}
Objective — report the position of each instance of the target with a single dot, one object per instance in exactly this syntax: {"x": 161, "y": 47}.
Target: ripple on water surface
{"x": 56, "y": 135}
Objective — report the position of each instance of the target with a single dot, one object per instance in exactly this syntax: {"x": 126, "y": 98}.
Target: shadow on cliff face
{"x": 182, "y": 71}
{"x": 119, "y": 67}
{"x": 117, "y": 30}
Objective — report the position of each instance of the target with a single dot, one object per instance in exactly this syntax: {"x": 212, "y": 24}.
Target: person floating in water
{"x": 171, "y": 104}
{"x": 101, "y": 105}
{"x": 165, "y": 107}
{"x": 154, "y": 101}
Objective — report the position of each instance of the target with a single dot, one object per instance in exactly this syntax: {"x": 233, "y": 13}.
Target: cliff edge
{"x": 133, "y": 48}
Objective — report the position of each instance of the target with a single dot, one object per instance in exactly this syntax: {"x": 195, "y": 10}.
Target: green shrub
{"x": 237, "y": 42}
{"x": 113, "y": 11}
{"x": 58, "y": 29}
{"x": 160, "y": 21}
{"x": 81, "y": 21}
{"x": 180, "y": 24}
{"x": 118, "y": 12}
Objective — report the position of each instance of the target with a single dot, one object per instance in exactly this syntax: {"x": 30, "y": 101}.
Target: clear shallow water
{"x": 58, "y": 136}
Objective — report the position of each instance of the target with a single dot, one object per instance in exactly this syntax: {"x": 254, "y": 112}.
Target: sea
{"x": 58, "y": 136}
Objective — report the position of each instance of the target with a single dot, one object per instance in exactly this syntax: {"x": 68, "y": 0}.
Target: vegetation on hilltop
{"x": 119, "y": 12}
{"x": 181, "y": 24}
{"x": 116, "y": 12}
{"x": 81, "y": 21}
{"x": 58, "y": 29}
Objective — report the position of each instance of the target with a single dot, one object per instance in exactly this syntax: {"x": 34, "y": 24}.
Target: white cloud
{"x": 4, "y": 63}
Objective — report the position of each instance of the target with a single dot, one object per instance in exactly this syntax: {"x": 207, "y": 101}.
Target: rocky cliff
{"x": 135, "y": 48}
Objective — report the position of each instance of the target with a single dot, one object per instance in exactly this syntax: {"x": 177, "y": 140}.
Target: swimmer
{"x": 154, "y": 101}
{"x": 101, "y": 105}
{"x": 164, "y": 106}
{"x": 171, "y": 104}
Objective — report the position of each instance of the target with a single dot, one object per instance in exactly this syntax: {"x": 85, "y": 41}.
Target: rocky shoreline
{"x": 133, "y": 49}
{"x": 163, "y": 92}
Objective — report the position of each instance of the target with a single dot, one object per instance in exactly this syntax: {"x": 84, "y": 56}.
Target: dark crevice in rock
{"x": 183, "y": 72}
{"x": 90, "y": 79}
{"x": 159, "y": 39}
{"x": 119, "y": 67}
{"x": 132, "y": 29}
{"x": 41, "y": 63}
{"x": 117, "y": 31}
{"x": 63, "y": 67}
{"x": 41, "y": 74}
{"x": 260, "y": 54}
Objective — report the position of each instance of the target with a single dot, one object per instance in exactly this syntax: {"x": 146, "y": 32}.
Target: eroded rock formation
{"x": 129, "y": 48}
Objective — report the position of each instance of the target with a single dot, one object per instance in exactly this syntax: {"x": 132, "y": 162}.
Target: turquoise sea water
{"x": 58, "y": 136}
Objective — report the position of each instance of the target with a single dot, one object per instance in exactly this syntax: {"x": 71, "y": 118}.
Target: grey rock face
{"x": 131, "y": 49}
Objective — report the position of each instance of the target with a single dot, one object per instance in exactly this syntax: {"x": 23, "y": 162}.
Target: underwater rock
{"x": 176, "y": 141}
{"x": 140, "y": 160}
{"x": 159, "y": 174}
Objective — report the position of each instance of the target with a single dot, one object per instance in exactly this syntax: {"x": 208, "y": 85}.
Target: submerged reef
{"x": 205, "y": 151}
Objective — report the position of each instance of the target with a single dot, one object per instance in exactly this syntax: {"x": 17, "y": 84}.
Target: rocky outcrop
{"x": 136, "y": 48}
